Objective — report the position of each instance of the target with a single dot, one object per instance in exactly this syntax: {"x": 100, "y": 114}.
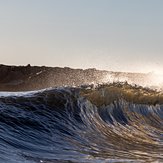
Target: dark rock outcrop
{"x": 25, "y": 78}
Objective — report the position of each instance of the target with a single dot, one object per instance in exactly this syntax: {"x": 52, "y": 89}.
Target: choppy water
{"x": 62, "y": 125}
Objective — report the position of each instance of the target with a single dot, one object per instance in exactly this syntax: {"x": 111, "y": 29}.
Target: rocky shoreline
{"x": 27, "y": 78}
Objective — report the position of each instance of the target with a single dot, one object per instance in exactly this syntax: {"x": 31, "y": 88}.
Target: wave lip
{"x": 115, "y": 123}
{"x": 107, "y": 93}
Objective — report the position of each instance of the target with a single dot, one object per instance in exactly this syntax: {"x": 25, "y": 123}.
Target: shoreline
{"x": 29, "y": 78}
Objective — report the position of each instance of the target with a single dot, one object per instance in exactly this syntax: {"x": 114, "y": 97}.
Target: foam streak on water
{"x": 70, "y": 124}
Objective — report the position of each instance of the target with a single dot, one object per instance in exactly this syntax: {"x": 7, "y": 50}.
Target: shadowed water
{"x": 68, "y": 125}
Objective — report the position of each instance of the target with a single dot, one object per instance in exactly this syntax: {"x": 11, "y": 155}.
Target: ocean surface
{"x": 70, "y": 125}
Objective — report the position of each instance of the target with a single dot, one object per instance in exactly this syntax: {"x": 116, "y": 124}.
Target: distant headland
{"x": 27, "y": 78}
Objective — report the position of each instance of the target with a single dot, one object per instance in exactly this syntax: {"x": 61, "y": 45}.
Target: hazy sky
{"x": 119, "y": 35}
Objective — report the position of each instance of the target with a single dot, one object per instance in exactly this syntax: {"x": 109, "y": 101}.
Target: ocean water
{"x": 71, "y": 125}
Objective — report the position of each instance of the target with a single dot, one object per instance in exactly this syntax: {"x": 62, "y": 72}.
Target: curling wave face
{"x": 110, "y": 123}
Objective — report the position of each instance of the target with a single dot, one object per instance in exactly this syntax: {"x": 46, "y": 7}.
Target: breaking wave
{"x": 108, "y": 123}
